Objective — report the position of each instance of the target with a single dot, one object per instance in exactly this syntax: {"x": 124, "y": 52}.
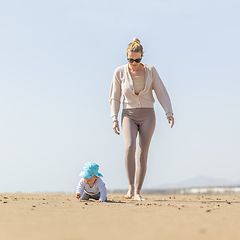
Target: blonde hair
{"x": 135, "y": 46}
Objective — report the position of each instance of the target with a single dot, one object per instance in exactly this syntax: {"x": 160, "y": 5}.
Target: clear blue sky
{"x": 57, "y": 59}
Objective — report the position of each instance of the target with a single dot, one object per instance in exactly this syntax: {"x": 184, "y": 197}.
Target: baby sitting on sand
{"x": 90, "y": 185}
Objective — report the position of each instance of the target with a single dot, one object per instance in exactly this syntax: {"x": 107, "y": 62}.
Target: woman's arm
{"x": 115, "y": 96}
{"x": 162, "y": 96}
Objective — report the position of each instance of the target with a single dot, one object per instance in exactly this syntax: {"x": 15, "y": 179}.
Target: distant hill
{"x": 200, "y": 181}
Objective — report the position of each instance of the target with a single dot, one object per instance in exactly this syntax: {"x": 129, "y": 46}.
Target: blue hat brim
{"x": 87, "y": 175}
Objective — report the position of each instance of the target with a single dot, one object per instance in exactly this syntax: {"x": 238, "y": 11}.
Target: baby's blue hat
{"x": 89, "y": 170}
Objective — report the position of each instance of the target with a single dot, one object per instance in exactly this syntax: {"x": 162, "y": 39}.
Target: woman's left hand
{"x": 171, "y": 119}
{"x": 116, "y": 127}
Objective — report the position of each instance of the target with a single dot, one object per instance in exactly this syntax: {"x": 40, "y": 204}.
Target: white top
{"x": 99, "y": 186}
{"x": 122, "y": 84}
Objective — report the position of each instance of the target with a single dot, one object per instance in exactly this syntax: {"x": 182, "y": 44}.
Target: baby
{"x": 90, "y": 185}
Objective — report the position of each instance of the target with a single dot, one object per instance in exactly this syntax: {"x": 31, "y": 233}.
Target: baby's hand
{"x": 78, "y": 195}
{"x": 98, "y": 201}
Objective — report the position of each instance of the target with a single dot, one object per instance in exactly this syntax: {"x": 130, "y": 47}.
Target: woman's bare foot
{"x": 129, "y": 194}
{"x": 138, "y": 197}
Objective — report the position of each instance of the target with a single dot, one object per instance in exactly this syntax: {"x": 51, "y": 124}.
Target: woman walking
{"x": 135, "y": 81}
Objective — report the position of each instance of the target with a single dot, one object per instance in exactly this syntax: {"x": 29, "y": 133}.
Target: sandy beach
{"x": 63, "y": 217}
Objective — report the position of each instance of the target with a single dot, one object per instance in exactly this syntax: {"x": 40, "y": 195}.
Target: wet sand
{"x": 63, "y": 217}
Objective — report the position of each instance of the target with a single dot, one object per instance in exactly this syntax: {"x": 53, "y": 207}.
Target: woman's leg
{"x": 129, "y": 130}
{"x": 146, "y": 129}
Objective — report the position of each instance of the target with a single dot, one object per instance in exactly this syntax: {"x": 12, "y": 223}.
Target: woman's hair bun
{"x": 136, "y": 40}
{"x": 135, "y": 46}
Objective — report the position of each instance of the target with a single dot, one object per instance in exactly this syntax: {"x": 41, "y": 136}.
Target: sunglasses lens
{"x": 138, "y": 60}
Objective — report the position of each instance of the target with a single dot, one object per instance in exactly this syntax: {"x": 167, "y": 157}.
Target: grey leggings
{"x": 134, "y": 121}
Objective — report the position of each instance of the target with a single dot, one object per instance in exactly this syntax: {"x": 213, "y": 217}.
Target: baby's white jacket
{"x": 99, "y": 186}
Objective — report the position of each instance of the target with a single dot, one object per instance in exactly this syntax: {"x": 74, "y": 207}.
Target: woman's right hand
{"x": 116, "y": 127}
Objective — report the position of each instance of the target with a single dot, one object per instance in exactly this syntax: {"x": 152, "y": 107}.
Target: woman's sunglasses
{"x": 138, "y": 60}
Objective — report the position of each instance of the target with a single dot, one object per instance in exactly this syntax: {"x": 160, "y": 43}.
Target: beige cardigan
{"x": 122, "y": 84}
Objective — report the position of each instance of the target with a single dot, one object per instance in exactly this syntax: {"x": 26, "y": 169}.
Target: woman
{"x": 135, "y": 81}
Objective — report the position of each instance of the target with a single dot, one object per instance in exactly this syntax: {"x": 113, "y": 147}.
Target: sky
{"x": 57, "y": 59}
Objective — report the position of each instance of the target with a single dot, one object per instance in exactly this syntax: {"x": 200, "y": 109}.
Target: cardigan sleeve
{"x": 115, "y": 96}
{"x": 162, "y": 94}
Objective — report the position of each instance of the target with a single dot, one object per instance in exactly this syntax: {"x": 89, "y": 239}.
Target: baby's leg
{"x": 85, "y": 196}
{"x": 96, "y": 196}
